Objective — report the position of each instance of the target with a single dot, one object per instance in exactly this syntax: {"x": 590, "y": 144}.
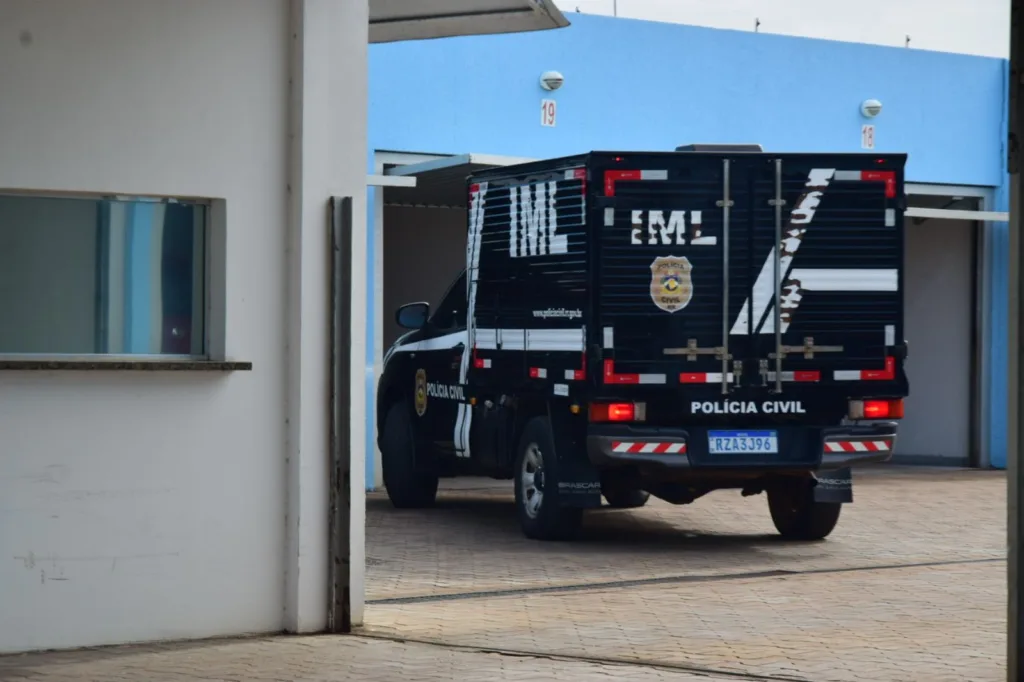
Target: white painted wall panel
{"x": 145, "y": 506}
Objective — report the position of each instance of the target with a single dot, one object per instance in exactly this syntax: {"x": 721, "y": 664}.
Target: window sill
{"x": 123, "y": 365}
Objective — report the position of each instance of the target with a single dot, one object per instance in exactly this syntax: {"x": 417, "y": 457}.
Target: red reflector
{"x": 613, "y": 176}
{"x": 895, "y": 409}
{"x": 888, "y": 177}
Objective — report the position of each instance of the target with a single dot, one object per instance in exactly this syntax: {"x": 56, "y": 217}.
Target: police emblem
{"x": 421, "y": 392}
{"x": 671, "y": 285}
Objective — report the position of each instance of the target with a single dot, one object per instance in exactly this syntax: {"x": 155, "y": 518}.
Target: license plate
{"x": 743, "y": 442}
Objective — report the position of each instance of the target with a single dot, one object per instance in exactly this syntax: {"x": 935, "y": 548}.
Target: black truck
{"x": 660, "y": 323}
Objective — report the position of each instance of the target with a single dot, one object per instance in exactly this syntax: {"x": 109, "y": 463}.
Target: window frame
{"x": 210, "y": 304}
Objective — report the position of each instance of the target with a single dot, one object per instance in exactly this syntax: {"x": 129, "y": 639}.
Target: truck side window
{"x": 451, "y": 311}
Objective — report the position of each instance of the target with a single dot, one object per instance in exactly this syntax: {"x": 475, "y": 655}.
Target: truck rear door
{"x": 750, "y": 272}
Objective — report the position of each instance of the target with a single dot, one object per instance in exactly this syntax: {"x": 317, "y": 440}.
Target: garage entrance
{"x": 424, "y": 235}
{"x": 421, "y": 249}
{"x": 943, "y": 330}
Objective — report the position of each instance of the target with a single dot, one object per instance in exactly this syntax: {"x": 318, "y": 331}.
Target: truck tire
{"x": 409, "y": 486}
{"x": 797, "y": 516}
{"x": 536, "y": 478}
{"x": 624, "y": 497}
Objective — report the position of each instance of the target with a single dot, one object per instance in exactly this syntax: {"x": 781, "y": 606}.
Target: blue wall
{"x": 643, "y": 85}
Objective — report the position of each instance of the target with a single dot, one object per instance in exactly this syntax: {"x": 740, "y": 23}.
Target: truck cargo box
{"x": 709, "y": 274}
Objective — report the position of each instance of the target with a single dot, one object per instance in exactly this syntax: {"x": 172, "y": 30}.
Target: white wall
{"x": 981, "y": 27}
{"x": 137, "y": 506}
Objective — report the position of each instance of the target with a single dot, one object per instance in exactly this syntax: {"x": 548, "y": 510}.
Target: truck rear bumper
{"x": 638, "y": 446}
{"x": 858, "y": 444}
{"x": 827, "y": 448}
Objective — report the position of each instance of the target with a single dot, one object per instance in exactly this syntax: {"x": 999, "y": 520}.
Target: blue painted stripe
{"x": 998, "y": 387}
{"x": 137, "y": 276}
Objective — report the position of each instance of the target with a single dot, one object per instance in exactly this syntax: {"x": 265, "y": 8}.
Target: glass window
{"x": 97, "y": 276}
{"x": 451, "y": 311}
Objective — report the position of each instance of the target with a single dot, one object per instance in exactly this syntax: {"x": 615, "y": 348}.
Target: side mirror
{"x": 413, "y": 315}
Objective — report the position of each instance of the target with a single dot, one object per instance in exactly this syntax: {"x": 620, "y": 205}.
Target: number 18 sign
{"x": 867, "y": 137}
{"x": 548, "y": 112}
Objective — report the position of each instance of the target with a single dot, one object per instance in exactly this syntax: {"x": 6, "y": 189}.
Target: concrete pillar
{"x": 327, "y": 156}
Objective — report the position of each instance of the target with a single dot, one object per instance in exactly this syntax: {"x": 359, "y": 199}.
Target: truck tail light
{"x": 618, "y": 412}
{"x": 876, "y": 409}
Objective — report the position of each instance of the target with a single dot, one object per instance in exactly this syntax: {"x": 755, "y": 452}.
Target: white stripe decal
{"x": 833, "y": 447}
{"x": 476, "y": 224}
{"x": 622, "y": 447}
{"x": 609, "y": 337}
{"x": 609, "y": 217}
{"x": 847, "y": 280}
{"x": 649, "y": 447}
{"x": 800, "y": 219}
{"x": 846, "y": 375}
{"x": 510, "y": 339}
{"x": 675, "y": 447}
{"x": 654, "y": 175}
{"x": 859, "y": 447}
{"x": 531, "y": 339}
{"x": 848, "y": 176}
{"x": 445, "y": 342}
{"x": 652, "y": 378}
{"x": 880, "y": 444}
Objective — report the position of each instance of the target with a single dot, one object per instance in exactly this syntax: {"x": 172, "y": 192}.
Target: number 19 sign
{"x": 548, "y": 112}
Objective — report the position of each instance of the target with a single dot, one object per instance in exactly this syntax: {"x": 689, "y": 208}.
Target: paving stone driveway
{"x": 911, "y": 587}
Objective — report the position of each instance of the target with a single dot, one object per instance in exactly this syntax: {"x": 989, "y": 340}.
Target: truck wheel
{"x": 623, "y": 497}
{"x": 797, "y": 516}
{"x": 536, "y": 477}
{"x": 408, "y": 487}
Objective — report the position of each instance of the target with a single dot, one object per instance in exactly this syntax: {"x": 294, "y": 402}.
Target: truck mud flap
{"x": 834, "y": 486}
{"x": 579, "y": 482}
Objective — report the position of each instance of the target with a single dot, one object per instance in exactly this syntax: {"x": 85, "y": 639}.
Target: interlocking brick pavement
{"x": 312, "y": 659}
{"x": 471, "y": 541}
{"x": 927, "y": 624}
